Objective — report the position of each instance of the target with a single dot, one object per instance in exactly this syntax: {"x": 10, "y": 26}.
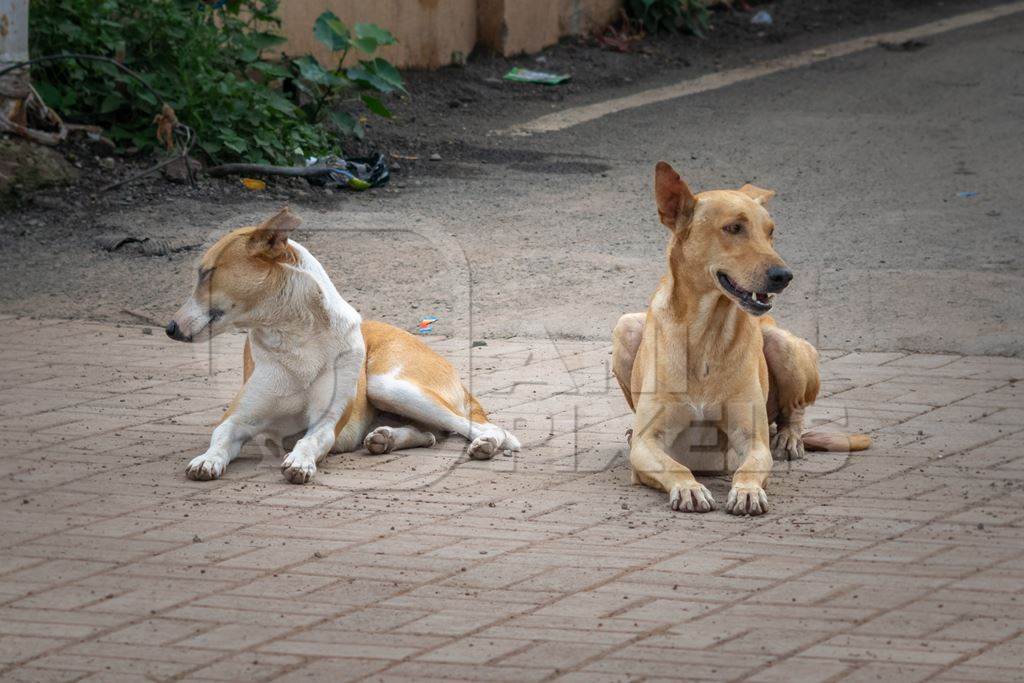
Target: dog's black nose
{"x": 172, "y": 330}
{"x": 779, "y": 277}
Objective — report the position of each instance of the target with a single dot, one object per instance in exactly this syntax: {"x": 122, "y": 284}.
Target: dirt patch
{"x": 442, "y": 131}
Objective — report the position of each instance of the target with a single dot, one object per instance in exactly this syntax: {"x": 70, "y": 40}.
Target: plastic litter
{"x": 966, "y": 195}
{"x": 528, "y": 76}
{"x": 426, "y": 325}
{"x": 355, "y": 174}
{"x": 254, "y": 184}
{"x": 762, "y": 18}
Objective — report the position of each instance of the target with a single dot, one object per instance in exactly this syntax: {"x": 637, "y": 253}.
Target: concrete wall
{"x": 13, "y": 30}
{"x": 428, "y": 31}
{"x": 432, "y": 32}
{"x": 13, "y": 48}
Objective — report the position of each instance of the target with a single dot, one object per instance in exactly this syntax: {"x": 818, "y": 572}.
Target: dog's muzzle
{"x": 777, "y": 278}
{"x": 175, "y": 333}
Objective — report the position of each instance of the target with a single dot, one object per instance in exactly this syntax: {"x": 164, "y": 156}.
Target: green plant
{"x": 324, "y": 88}
{"x": 208, "y": 59}
{"x": 670, "y": 15}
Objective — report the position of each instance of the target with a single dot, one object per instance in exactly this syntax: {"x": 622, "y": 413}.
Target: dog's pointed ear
{"x": 270, "y": 239}
{"x": 758, "y": 194}
{"x": 673, "y": 196}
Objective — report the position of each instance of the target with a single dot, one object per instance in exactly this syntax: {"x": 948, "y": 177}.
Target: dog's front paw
{"x": 691, "y": 498}
{"x": 747, "y": 499}
{"x": 484, "y": 447}
{"x": 297, "y": 469}
{"x": 206, "y": 467}
{"x": 787, "y": 444}
{"x": 381, "y": 440}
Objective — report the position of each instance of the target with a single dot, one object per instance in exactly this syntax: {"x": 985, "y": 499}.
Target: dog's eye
{"x": 733, "y": 228}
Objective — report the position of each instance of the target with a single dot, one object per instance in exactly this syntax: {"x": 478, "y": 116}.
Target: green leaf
{"x": 377, "y": 74}
{"x": 112, "y": 102}
{"x": 49, "y": 94}
{"x": 264, "y": 40}
{"x": 367, "y": 45}
{"x": 376, "y": 106}
{"x": 347, "y": 124}
{"x": 233, "y": 141}
{"x": 282, "y": 104}
{"x": 384, "y": 70}
{"x": 329, "y": 30}
{"x": 271, "y": 70}
{"x": 147, "y": 97}
{"x": 311, "y": 70}
{"x": 211, "y": 147}
{"x": 376, "y": 33}
{"x": 363, "y": 78}
{"x": 249, "y": 54}
{"x": 235, "y": 144}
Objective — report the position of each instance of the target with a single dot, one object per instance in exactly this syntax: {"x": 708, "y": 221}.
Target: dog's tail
{"x": 836, "y": 442}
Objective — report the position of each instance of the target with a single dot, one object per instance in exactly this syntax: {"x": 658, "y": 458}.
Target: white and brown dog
{"x": 312, "y": 368}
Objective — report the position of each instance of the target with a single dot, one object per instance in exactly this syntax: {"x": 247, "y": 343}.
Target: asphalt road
{"x": 898, "y": 176}
{"x": 556, "y": 234}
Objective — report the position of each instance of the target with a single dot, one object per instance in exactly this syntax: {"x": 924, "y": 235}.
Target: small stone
{"x": 196, "y": 539}
{"x": 177, "y": 170}
{"x": 107, "y": 163}
{"x": 435, "y": 157}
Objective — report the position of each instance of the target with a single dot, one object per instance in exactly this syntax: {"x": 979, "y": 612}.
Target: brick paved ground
{"x": 902, "y": 563}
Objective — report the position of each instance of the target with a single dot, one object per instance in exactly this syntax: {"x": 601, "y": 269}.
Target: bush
{"x": 670, "y": 15}
{"x": 210, "y": 62}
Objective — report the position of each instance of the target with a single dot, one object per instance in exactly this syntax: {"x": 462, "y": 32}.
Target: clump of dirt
{"x": 27, "y": 167}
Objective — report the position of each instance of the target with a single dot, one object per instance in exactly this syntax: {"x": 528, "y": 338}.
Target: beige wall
{"x": 431, "y": 32}
{"x": 428, "y": 31}
{"x": 515, "y": 26}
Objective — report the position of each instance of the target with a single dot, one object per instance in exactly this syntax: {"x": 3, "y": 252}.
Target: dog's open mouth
{"x": 755, "y": 303}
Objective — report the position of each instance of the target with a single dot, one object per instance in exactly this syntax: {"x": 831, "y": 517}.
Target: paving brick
{"x": 900, "y": 563}
{"x": 805, "y": 670}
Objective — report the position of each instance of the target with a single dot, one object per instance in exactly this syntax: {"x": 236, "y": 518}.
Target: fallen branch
{"x": 267, "y": 169}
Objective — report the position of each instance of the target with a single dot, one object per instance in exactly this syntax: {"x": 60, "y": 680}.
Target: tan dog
{"x": 312, "y": 368}
{"x": 703, "y": 362}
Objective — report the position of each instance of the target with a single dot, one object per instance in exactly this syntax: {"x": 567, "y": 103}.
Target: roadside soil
{"x": 56, "y": 246}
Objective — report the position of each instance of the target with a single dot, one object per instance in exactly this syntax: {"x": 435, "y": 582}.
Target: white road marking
{"x": 568, "y": 118}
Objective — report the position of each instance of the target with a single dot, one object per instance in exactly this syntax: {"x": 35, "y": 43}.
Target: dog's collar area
{"x": 755, "y": 303}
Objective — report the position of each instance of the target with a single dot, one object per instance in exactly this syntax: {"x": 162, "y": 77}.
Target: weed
{"x": 213, "y": 62}
{"x": 670, "y": 15}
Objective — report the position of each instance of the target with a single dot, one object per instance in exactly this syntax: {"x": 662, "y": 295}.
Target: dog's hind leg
{"x": 626, "y": 338}
{"x": 436, "y": 410}
{"x": 385, "y": 439}
{"x": 792, "y": 386}
{"x": 405, "y": 377}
